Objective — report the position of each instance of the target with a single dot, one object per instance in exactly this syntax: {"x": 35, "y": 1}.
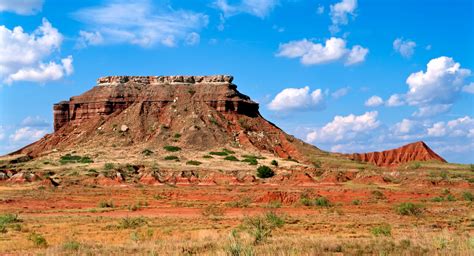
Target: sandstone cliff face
{"x": 204, "y": 111}
{"x": 417, "y": 151}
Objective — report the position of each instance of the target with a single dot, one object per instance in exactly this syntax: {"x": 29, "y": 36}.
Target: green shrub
{"x": 171, "y": 148}
{"x": 382, "y": 230}
{"x": 261, "y": 227}
{"x": 356, "y": 202}
{"x": 231, "y": 158}
{"x": 109, "y": 166}
{"x": 450, "y": 198}
{"x": 218, "y": 153}
{"x": 408, "y": 208}
{"x": 415, "y": 165}
{"x": 437, "y": 199}
{"x": 230, "y": 152}
{"x": 193, "y": 162}
{"x": 106, "y": 204}
{"x": 322, "y": 201}
{"x": 273, "y": 204}
{"x": 68, "y": 158}
{"x": 71, "y": 246}
{"x": 253, "y": 156}
{"x": 468, "y": 196}
{"x": 177, "y": 135}
{"x": 274, "y": 162}
{"x": 169, "y": 158}
{"x": 38, "y": 240}
{"x": 9, "y": 218}
{"x": 378, "y": 194}
{"x": 147, "y": 152}
{"x": 264, "y": 171}
{"x": 131, "y": 222}
{"x": 306, "y": 201}
{"x": 251, "y": 161}
{"x": 207, "y": 156}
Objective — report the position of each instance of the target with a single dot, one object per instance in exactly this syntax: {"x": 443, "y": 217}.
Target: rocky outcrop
{"x": 417, "y": 151}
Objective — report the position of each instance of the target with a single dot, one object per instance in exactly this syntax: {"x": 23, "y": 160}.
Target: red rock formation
{"x": 417, "y": 151}
{"x": 146, "y": 111}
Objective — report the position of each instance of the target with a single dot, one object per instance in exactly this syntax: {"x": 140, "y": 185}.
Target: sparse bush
{"x": 264, "y": 171}
{"x": 468, "y": 196}
{"x": 317, "y": 164}
{"x": 274, "y": 162}
{"x": 207, "y": 156}
{"x": 450, "y": 198}
{"x": 106, "y": 204}
{"x": 109, "y": 166}
{"x": 408, "y": 208}
{"x": 218, "y": 153}
{"x": 193, "y": 162}
{"x": 322, "y": 201}
{"x": 273, "y": 204}
{"x": 228, "y": 151}
{"x": 356, "y": 202}
{"x": 6, "y": 220}
{"x": 169, "y": 158}
{"x": 471, "y": 167}
{"x": 382, "y": 230}
{"x": 306, "y": 201}
{"x": 68, "y": 158}
{"x": 131, "y": 222}
{"x": 147, "y": 152}
{"x": 415, "y": 165}
{"x": 231, "y": 158}
{"x": 171, "y": 148}
{"x": 437, "y": 199}
{"x": 253, "y": 156}
{"x": 251, "y": 161}
{"x": 71, "y": 246}
{"x": 261, "y": 227}
{"x": 177, "y": 135}
{"x": 38, "y": 240}
{"x": 137, "y": 206}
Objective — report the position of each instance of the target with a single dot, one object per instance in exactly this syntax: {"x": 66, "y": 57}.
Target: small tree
{"x": 265, "y": 172}
{"x": 274, "y": 162}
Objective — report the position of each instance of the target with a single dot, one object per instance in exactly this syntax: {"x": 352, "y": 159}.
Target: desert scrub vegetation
{"x": 409, "y": 208}
{"x": 38, "y": 240}
{"x": 147, "y": 152}
{"x": 231, "y": 158}
{"x": 170, "y": 158}
{"x": 251, "y": 161}
{"x": 274, "y": 162}
{"x": 71, "y": 245}
{"x": 109, "y": 166}
{"x": 171, "y": 148}
{"x": 381, "y": 230}
{"x": 207, "y": 156}
{"x": 468, "y": 196}
{"x": 261, "y": 227}
{"x": 320, "y": 201}
{"x": 193, "y": 162}
{"x": 137, "y": 206}
{"x": 68, "y": 159}
{"x": 218, "y": 153}
{"x": 131, "y": 222}
{"x": 8, "y": 220}
{"x": 264, "y": 172}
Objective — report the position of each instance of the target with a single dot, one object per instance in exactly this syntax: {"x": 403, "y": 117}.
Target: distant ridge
{"x": 417, "y": 151}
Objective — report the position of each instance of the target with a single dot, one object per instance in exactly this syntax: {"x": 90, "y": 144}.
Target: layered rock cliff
{"x": 417, "y": 151}
{"x": 204, "y": 112}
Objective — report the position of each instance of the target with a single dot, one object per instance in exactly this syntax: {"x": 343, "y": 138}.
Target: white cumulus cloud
{"x": 395, "y": 100}
{"x": 139, "y": 23}
{"x": 89, "y": 38}
{"x": 297, "y": 98}
{"x": 27, "y": 134}
{"x": 406, "y": 48}
{"x": 311, "y": 53}
{"x": 345, "y": 128}
{"x": 23, "y": 55}
{"x": 22, "y": 7}
{"x": 340, "y": 92}
{"x": 340, "y": 14}
{"x": 469, "y": 88}
{"x": 373, "y": 101}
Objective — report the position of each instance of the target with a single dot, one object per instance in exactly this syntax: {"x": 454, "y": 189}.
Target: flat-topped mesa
{"x": 115, "y": 80}
{"x": 114, "y": 94}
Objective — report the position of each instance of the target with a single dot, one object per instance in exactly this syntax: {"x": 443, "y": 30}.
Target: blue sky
{"x": 344, "y": 75}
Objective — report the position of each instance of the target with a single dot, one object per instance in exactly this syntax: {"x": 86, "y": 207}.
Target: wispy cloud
{"x": 138, "y": 22}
